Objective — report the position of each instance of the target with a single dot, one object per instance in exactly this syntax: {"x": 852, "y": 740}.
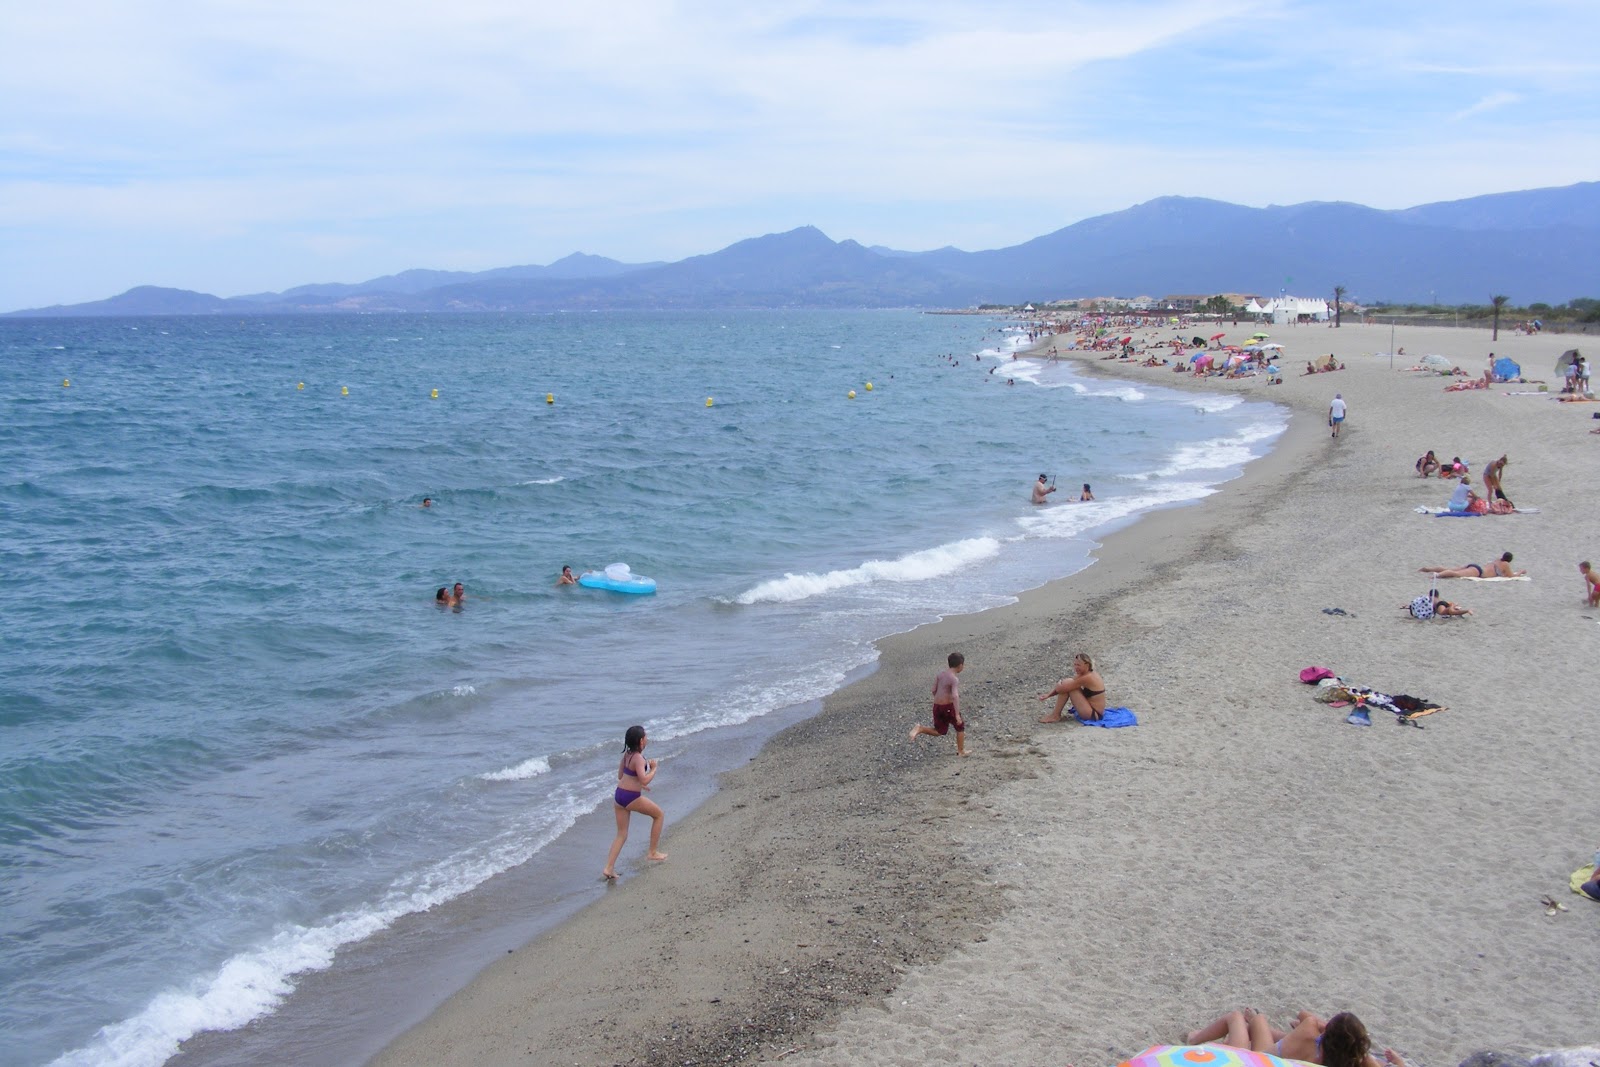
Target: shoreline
{"x": 843, "y": 864}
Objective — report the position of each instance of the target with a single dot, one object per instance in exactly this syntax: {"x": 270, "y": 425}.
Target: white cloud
{"x": 247, "y": 144}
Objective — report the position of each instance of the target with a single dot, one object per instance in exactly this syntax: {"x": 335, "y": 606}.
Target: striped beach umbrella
{"x": 1204, "y": 1056}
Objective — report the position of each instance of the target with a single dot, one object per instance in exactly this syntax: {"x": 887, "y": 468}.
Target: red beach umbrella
{"x": 1218, "y": 336}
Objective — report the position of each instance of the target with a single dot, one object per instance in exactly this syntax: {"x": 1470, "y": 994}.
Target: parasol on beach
{"x": 1203, "y": 1056}
{"x": 1568, "y": 358}
{"x": 1434, "y": 361}
{"x": 1272, "y": 345}
{"x": 1259, "y": 336}
{"x": 1218, "y": 336}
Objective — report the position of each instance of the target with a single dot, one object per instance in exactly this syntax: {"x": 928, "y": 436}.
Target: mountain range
{"x": 1533, "y": 245}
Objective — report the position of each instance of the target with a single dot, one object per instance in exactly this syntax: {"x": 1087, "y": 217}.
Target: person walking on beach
{"x": 634, "y": 776}
{"x": 1336, "y": 413}
{"x": 947, "y": 705}
{"x": 1041, "y": 489}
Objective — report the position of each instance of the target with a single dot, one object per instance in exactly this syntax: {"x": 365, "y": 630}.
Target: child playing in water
{"x": 947, "y": 705}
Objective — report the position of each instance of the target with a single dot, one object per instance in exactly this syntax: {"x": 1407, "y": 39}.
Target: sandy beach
{"x": 1069, "y": 895}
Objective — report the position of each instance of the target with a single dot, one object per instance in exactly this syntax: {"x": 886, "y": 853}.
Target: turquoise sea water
{"x": 240, "y": 739}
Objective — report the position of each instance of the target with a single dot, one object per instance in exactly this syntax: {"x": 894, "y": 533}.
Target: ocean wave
{"x": 528, "y": 768}
{"x": 544, "y": 481}
{"x": 255, "y": 982}
{"x": 915, "y": 567}
{"x": 1071, "y": 520}
{"x": 1212, "y": 404}
{"x": 1219, "y": 453}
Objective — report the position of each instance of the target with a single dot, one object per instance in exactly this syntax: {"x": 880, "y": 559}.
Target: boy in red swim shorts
{"x": 947, "y": 706}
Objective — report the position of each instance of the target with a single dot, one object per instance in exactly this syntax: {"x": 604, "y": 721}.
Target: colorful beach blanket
{"x": 1580, "y": 876}
{"x": 1115, "y": 718}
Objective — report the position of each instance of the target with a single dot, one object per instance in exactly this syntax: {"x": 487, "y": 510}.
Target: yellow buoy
{"x": 852, "y": 394}
{"x": 66, "y": 383}
{"x": 708, "y": 401}
{"x": 549, "y": 398}
{"x": 344, "y": 390}
{"x": 434, "y": 394}
{"x": 869, "y": 387}
{"x": 300, "y": 385}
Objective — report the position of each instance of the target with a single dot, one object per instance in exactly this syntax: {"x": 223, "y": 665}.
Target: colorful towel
{"x": 1580, "y": 876}
{"x": 1518, "y": 578}
{"x": 1448, "y": 514}
{"x": 1114, "y": 718}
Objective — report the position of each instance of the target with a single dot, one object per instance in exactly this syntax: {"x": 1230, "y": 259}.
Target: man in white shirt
{"x": 1336, "y": 413}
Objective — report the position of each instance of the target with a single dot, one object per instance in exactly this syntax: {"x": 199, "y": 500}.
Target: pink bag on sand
{"x": 1312, "y": 675}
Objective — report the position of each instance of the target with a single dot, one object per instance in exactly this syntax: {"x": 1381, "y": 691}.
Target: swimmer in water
{"x": 1087, "y": 494}
{"x": 566, "y": 577}
{"x": 1041, "y": 489}
{"x": 427, "y": 501}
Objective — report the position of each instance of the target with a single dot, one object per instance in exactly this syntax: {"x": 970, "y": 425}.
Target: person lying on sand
{"x": 1500, "y": 568}
{"x": 1342, "y": 1041}
{"x": 1442, "y": 607}
{"x": 1085, "y": 689}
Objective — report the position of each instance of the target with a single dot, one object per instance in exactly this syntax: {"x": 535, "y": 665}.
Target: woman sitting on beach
{"x": 1500, "y": 568}
{"x": 1085, "y": 689}
{"x": 1342, "y": 1041}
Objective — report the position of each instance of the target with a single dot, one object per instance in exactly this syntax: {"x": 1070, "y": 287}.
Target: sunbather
{"x": 1463, "y": 497}
{"x": 1086, "y": 690}
{"x": 1500, "y": 568}
{"x": 1342, "y": 1041}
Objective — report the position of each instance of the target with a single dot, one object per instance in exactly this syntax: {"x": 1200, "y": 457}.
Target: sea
{"x": 262, "y": 797}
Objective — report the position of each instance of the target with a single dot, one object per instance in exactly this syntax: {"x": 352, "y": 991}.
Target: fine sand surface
{"x": 1071, "y": 895}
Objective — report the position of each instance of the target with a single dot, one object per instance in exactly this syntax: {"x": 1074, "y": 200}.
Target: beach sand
{"x": 1073, "y": 895}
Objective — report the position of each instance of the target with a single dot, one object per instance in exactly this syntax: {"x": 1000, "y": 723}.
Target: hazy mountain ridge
{"x": 1539, "y": 244}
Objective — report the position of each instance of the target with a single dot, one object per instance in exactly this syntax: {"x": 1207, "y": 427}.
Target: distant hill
{"x": 1539, "y": 244}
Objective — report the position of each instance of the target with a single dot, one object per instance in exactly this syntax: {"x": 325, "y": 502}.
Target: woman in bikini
{"x": 1085, "y": 689}
{"x": 633, "y": 778}
{"x": 1342, "y": 1041}
{"x": 1500, "y": 568}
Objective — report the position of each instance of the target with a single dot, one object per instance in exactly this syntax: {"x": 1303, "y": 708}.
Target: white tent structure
{"x": 1288, "y": 309}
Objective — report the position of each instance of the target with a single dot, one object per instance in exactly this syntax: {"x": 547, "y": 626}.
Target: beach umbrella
{"x": 1507, "y": 370}
{"x": 1568, "y": 358}
{"x": 1218, "y": 336}
{"x": 1203, "y": 1056}
{"x": 1434, "y": 361}
{"x": 1274, "y": 346}
{"x": 1258, "y": 335}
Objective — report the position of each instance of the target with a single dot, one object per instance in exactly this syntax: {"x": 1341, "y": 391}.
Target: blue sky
{"x": 236, "y": 146}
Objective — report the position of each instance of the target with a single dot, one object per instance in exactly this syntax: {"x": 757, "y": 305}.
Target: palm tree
{"x": 1498, "y": 302}
{"x": 1338, "y": 299}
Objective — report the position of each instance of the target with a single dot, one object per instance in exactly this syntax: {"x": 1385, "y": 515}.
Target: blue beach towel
{"x": 1115, "y": 717}
{"x": 1459, "y": 515}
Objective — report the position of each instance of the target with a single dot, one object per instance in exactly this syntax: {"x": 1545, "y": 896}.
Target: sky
{"x": 242, "y": 146}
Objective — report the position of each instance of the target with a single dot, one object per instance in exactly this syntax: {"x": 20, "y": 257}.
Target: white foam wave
{"x": 1219, "y": 453}
{"x": 528, "y": 768}
{"x": 915, "y": 567}
{"x": 253, "y": 983}
{"x": 1212, "y": 404}
{"x": 463, "y": 690}
{"x": 1071, "y": 520}
{"x": 544, "y": 481}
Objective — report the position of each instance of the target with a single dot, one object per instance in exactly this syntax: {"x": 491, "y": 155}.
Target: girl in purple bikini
{"x": 634, "y": 775}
